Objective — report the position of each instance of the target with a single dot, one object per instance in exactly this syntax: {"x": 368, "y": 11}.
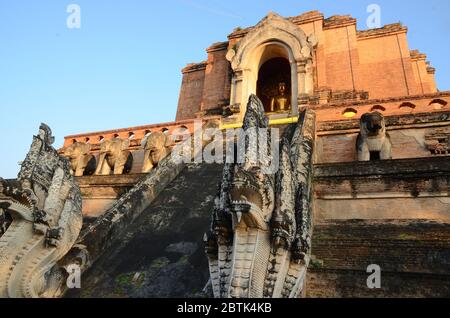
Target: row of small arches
{"x": 436, "y": 104}
{"x": 131, "y": 135}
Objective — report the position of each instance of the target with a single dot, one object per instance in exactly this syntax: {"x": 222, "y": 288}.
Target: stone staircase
{"x": 161, "y": 252}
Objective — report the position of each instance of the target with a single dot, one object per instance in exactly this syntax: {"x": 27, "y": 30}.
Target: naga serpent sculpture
{"x": 43, "y": 207}
{"x": 260, "y": 238}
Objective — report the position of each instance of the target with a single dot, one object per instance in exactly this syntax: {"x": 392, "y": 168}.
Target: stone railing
{"x": 99, "y": 236}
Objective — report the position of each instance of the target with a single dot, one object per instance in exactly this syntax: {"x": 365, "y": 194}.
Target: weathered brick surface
{"x": 352, "y": 284}
{"x": 377, "y": 61}
{"x": 216, "y": 90}
{"x": 191, "y": 92}
{"x": 408, "y": 132}
{"x": 389, "y": 189}
{"x": 100, "y": 192}
{"x": 413, "y": 255}
{"x": 407, "y": 143}
{"x": 338, "y": 66}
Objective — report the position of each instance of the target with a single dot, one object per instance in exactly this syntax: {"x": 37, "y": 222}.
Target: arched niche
{"x": 274, "y": 74}
{"x": 273, "y": 37}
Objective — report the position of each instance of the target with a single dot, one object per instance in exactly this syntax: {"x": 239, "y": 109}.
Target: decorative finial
{"x": 45, "y": 133}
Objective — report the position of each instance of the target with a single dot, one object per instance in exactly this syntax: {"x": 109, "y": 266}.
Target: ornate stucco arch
{"x": 274, "y": 36}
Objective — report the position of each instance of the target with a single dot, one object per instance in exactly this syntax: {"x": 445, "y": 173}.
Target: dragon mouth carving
{"x": 250, "y": 206}
{"x": 15, "y": 201}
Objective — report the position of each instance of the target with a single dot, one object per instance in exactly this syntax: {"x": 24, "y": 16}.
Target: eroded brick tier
{"x": 354, "y": 72}
{"x": 394, "y": 213}
{"x": 378, "y": 62}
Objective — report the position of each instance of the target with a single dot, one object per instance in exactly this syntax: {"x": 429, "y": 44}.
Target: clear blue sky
{"x": 122, "y": 68}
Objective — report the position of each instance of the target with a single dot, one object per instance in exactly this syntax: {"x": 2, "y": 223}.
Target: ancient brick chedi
{"x": 363, "y": 179}
{"x": 327, "y": 59}
{"x": 380, "y": 180}
{"x": 324, "y": 64}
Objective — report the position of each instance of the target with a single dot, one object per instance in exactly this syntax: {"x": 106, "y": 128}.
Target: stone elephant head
{"x": 372, "y": 124}
{"x": 82, "y": 162}
{"x": 373, "y": 142}
{"x": 114, "y": 157}
{"x": 156, "y": 148}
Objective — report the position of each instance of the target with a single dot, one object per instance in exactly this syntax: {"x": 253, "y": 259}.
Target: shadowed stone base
{"x": 162, "y": 253}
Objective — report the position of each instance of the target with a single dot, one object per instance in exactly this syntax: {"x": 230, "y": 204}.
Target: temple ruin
{"x": 363, "y": 178}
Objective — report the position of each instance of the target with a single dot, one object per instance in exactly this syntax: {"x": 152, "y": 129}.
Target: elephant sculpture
{"x": 156, "y": 148}
{"x": 114, "y": 157}
{"x": 373, "y": 142}
{"x": 82, "y": 162}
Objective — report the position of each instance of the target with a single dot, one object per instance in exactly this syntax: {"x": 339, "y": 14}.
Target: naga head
{"x": 45, "y": 134}
{"x": 373, "y": 124}
{"x": 14, "y": 201}
{"x": 252, "y": 198}
{"x": 252, "y": 189}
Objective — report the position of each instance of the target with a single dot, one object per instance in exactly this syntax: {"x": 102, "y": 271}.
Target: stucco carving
{"x": 438, "y": 143}
{"x": 45, "y": 206}
{"x": 114, "y": 157}
{"x": 273, "y": 26}
{"x": 156, "y": 148}
{"x": 260, "y": 238}
{"x": 273, "y": 37}
{"x": 82, "y": 162}
{"x": 373, "y": 141}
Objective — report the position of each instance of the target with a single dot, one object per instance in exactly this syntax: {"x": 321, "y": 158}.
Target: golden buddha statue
{"x": 281, "y": 102}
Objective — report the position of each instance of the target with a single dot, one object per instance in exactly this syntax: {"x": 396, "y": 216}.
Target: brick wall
{"x": 413, "y": 255}
{"x": 216, "y": 90}
{"x": 408, "y": 132}
{"x": 191, "y": 91}
{"x": 339, "y": 58}
{"x": 378, "y": 61}
{"x": 381, "y": 190}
